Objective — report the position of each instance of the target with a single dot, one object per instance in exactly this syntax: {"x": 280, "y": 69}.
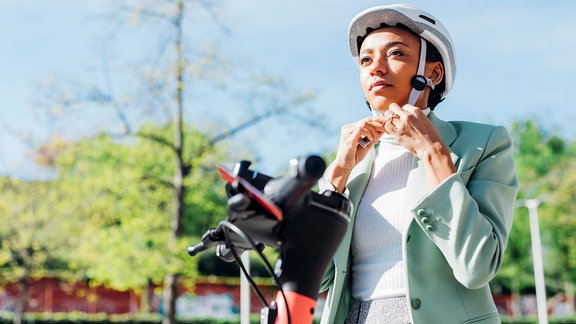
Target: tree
{"x": 38, "y": 231}
{"x": 122, "y": 191}
{"x": 536, "y": 156}
{"x": 558, "y": 220}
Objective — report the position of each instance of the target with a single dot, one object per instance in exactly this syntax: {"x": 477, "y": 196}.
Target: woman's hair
{"x": 435, "y": 97}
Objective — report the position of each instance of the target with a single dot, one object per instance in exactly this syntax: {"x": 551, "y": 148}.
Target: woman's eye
{"x": 364, "y": 60}
{"x": 396, "y": 53}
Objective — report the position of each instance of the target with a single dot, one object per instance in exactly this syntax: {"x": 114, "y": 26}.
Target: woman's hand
{"x": 350, "y": 152}
{"x": 413, "y": 130}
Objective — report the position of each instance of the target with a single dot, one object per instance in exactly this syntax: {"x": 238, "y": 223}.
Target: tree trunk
{"x": 516, "y": 309}
{"x": 145, "y": 299}
{"x": 569, "y": 288}
{"x": 169, "y": 296}
{"x": 170, "y": 292}
{"x": 24, "y": 286}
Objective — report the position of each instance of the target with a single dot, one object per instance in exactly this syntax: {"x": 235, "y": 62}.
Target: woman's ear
{"x": 435, "y": 72}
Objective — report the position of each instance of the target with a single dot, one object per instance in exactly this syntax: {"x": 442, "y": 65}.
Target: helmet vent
{"x": 432, "y": 21}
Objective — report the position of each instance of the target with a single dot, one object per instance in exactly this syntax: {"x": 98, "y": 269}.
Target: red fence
{"x": 54, "y": 295}
{"x": 204, "y": 298}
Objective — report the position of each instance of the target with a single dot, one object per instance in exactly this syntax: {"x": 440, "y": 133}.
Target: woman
{"x": 433, "y": 200}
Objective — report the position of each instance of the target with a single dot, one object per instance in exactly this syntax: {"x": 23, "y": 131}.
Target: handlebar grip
{"x": 212, "y": 237}
{"x": 302, "y": 175}
{"x": 195, "y": 249}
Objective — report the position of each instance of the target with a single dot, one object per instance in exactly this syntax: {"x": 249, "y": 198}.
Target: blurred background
{"x": 115, "y": 113}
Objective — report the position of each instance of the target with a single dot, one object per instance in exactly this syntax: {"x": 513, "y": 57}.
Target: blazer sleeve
{"x": 328, "y": 278}
{"x": 469, "y": 215}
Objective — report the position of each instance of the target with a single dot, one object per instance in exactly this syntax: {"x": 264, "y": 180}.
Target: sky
{"x": 516, "y": 59}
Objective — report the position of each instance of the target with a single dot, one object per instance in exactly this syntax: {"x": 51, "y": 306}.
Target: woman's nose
{"x": 379, "y": 66}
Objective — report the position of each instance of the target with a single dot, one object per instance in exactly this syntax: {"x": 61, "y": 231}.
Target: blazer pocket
{"x": 465, "y": 175}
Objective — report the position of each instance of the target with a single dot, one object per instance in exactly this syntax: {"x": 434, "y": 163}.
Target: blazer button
{"x": 425, "y": 220}
{"x": 421, "y": 212}
{"x": 430, "y": 228}
{"x": 416, "y": 303}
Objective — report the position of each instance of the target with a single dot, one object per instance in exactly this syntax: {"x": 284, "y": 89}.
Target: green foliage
{"x": 124, "y": 215}
{"x": 557, "y": 218}
{"x": 113, "y": 198}
{"x": 38, "y": 229}
{"x": 535, "y": 156}
{"x": 517, "y": 268}
{"x": 546, "y": 169}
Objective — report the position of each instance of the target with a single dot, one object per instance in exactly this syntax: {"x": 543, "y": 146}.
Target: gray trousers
{"x": 389, "y": 310}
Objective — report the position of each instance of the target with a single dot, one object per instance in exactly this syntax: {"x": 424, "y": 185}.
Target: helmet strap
{"x": 374, "y": 112}
{"x": 419, "y": 81}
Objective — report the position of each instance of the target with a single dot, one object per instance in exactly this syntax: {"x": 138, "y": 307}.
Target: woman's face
{"x": 388, "y": 60}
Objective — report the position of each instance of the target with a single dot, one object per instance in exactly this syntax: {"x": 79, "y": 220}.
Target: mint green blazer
{"x": 456, "y": 240}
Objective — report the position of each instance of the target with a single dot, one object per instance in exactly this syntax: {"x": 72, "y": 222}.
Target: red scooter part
{"x": 300, "y": 308}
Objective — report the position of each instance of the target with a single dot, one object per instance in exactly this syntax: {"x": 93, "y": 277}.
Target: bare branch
{"x": 163, "y": 182}
{"x": 245, "y": 125}
{"x": 223, "y": 28}
{"x": 155, "y": 138}
{"x": 115, "y": 105}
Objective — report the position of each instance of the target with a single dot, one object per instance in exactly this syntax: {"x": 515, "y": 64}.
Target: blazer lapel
{"x": 445, "y": 129}
{"x": 447, "y": 133}
{"x": 357, "y": 182}
{"x": 417, "y": 186}
{"x": 359, "y": 177}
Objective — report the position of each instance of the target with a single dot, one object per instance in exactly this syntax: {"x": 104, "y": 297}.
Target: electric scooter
{"x": 283, "y": 213}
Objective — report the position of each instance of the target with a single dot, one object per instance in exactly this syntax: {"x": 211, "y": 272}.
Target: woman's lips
{"x": 379, "y": 85}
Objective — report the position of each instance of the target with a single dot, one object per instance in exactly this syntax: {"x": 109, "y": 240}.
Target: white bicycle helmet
{"x": 419, "y": 22}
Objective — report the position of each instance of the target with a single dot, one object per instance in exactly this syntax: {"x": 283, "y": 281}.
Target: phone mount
{"x": 282, "y": 213}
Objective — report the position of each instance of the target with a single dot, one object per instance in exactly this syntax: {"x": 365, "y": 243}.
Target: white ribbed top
{"x": 378, "y": 268}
